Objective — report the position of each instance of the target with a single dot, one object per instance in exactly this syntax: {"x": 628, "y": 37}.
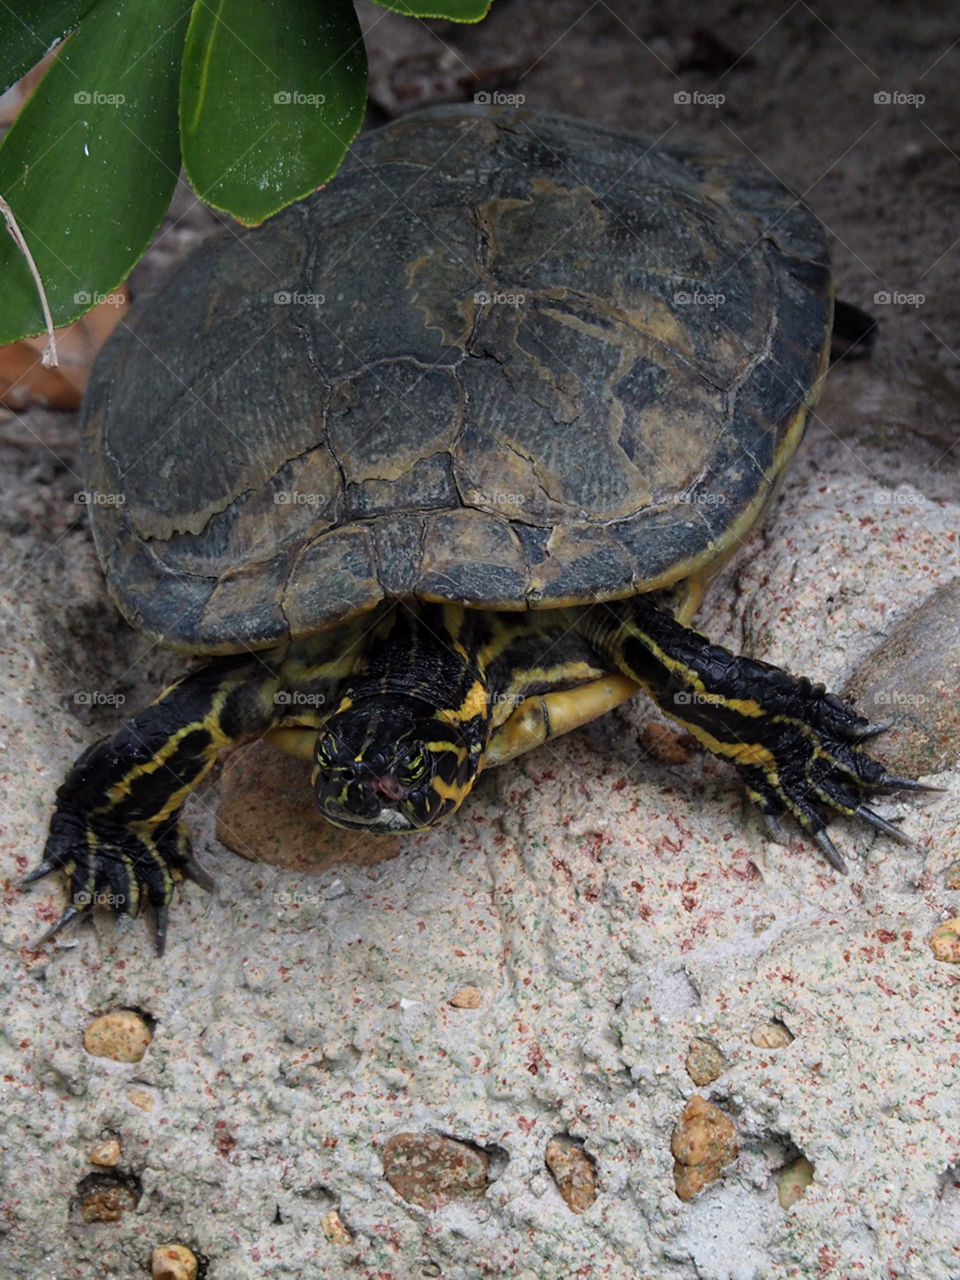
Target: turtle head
{"x": 392, "y": 764}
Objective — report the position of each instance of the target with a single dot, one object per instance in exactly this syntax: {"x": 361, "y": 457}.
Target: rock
{"x": 334, "y": 1229}
{"x": 912, "y": 679}
{"x": 106, "y": 1153}
{"x": 703, "y": 1143}
{"x": 467, "y": 998}
{"x": 173, "y": 1262}
{"x": 430, "y": 1171}
{"x": 122, "y": 1036}
{"x": 792, "y": 1182}
{"x": 771, "y": 1035}
{"x": 108, "y": 1205}
{"x": 945, "y": 941}
{"x": 704, "y": 1062}
{"x": 573, "y": 1173}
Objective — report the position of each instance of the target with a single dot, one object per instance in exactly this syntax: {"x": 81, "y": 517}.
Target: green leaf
{"x": 89, "y": 165}
{"x": 272, "y": 94}
{"x": 454, "y": 10}
{"x": 29, "y": 31}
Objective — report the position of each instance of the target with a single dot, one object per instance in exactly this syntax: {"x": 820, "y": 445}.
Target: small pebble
{"x": 771, "y": 1035}
{"x": 665, "y": 743}
{"x": 431, "y": 1171}
{"x": 122, "y": 1036}
{"x": 573, "y": 1173}
{"x": 703, "y": 1142}
{"x": 106, "y": 1153}
{"x": 108, "y": 1205}
{"x": 945, "y": 941}
{"x": 334, "y": 1229}
{"x": 173, "y": 1262}
{"x": 704, "y": 1062}
{"x": 140, "y": 1098}
{"x": 951, "y": 877}
{"x": 792, "y": 1182}
{"x": 467, "y": 998}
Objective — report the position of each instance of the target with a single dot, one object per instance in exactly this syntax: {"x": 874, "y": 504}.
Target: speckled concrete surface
{"x": 610, "y": 908}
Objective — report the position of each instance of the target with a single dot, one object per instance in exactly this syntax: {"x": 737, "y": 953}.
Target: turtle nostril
{"x": 386, "y": 786}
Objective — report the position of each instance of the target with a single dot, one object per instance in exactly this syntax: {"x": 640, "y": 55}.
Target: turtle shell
{"x": 505, "y": 358}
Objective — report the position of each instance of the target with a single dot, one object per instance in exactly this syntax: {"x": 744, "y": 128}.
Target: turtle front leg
{"x": 797, "y": 747}
{"x": 117, "y": 831}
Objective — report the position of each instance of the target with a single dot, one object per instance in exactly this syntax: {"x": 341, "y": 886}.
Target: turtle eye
{"x": 326, "y": 750}
{"x": 415, "y": 767}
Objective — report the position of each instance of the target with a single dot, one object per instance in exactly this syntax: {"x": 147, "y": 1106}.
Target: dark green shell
{"x": 505, "y": 358}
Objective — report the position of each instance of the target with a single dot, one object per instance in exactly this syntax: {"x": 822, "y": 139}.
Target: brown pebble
{"x": 703, "y": 1142}
{"x": 467, "y": 998}
{"x": 666, "y": 743}
{"x": 173, "y": 1262}
{"x": 771, "y": 1035}
{"x": 704, "y": 1062}
{"x": 430, "y": 1171}
{"x": 106, "y": 1153}
{"x": 792, "y": 1182}
{"x": 122, "y": 1036}
{"x": 334, "y": 1229}
{"x": 140, "y": 1098}
{"x": 951, "y": 877}
{"x": 108, "y": 1205}
{"x": 945, "y": 941}
{"x": 573, "y": 1173}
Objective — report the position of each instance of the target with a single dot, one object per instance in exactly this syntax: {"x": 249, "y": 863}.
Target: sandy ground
{"x": 612, "y": 909}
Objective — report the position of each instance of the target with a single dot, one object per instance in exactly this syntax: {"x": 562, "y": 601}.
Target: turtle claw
{"x": 881, "y": 824}
{"x": 39, "y": 871}
{"x": 161, "y": 915}
{"x": 830, "y": 851}
{"x": 69, "y": 914}
{"x": 871, "y": 730}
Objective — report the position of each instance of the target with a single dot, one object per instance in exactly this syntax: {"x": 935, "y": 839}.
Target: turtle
{"x": 437, "y": 464}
